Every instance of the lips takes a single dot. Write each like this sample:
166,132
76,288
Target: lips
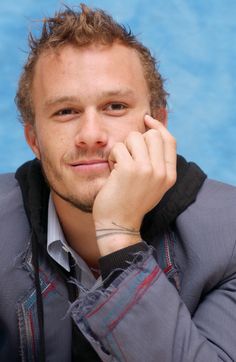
90,166
88,162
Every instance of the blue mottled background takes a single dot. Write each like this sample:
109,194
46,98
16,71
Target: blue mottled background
195,43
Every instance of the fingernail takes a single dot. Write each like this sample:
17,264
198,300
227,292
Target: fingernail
150,118
147,116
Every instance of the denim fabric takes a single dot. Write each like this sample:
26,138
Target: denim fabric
177,305
141,316
90,312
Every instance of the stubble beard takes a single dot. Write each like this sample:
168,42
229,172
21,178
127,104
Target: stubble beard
53,177
73,201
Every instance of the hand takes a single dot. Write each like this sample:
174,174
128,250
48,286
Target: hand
143,169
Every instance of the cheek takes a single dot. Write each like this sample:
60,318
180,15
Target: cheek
142,128
135,125
134,121
121,131
51,146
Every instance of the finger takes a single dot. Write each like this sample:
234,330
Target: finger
156,150
137,147
166,149
119,155
151,123
154,140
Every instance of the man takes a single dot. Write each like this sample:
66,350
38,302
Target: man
106,256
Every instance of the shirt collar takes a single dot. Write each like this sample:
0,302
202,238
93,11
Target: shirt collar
57,246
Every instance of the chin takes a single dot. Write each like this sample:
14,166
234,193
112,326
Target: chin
79,193
83,197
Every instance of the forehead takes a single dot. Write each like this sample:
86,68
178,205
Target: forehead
90,69
90,57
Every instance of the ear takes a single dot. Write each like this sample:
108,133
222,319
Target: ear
31,138
161,115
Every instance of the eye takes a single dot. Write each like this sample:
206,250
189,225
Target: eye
116,108
66,112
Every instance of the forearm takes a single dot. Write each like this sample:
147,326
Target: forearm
141,317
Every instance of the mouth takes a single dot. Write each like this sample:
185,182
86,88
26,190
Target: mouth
87,162
90,166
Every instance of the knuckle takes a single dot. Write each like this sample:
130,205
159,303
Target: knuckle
147,170
130,169
116,146
160,175
152,133
172,178
132,135
173,141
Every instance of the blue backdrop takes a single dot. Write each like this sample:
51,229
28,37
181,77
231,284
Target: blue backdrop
196,46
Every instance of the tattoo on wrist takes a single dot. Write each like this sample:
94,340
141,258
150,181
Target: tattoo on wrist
117,229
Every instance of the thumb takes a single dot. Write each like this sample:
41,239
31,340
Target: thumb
118,154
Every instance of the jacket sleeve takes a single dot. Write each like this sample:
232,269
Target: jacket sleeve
140,317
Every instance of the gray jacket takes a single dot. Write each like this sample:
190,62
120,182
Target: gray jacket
176,302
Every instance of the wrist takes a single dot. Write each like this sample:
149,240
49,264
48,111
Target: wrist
113,243
112,237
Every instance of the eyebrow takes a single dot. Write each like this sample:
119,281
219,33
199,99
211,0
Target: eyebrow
118,92
58,100
73,99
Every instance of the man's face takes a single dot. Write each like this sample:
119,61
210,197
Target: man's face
85,100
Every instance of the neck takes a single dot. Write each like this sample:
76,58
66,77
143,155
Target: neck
79,230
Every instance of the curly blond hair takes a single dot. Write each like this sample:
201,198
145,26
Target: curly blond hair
83,28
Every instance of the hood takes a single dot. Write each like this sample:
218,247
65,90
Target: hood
35,193
189,181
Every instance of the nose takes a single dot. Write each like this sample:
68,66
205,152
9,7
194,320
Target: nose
91,133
